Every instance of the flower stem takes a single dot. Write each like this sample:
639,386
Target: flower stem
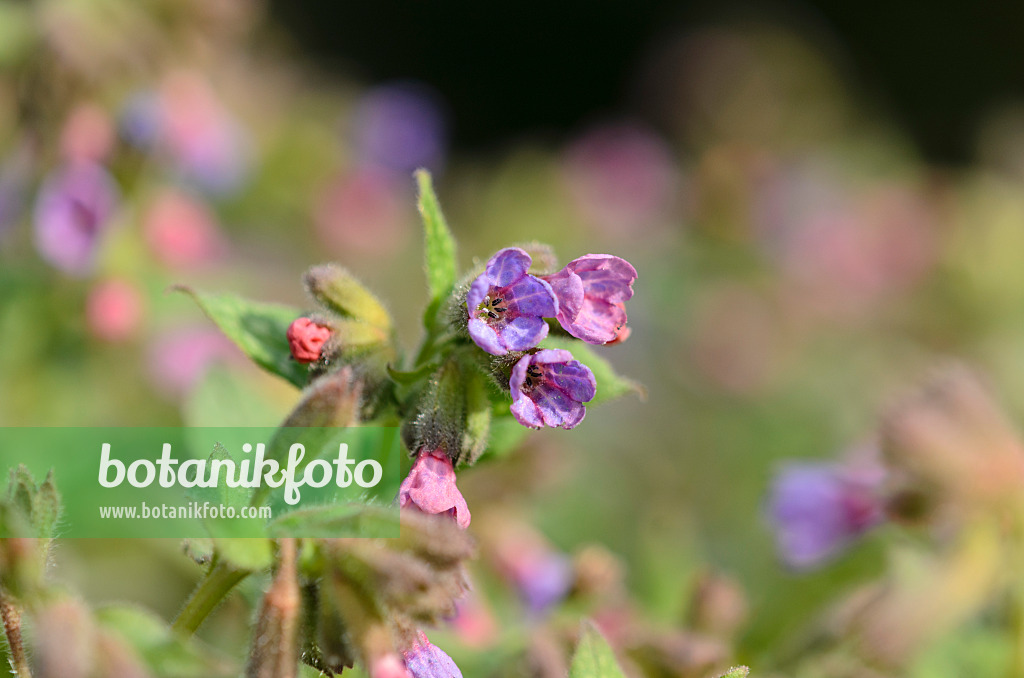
219,580
12,629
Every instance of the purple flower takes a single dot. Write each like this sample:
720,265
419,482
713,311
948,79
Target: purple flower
591,291
400,127
549,389
430,487
507,306
74,207
426,660
818,509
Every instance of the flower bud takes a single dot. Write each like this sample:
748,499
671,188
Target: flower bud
274,652
340,292
430,488
952,438
64,635
306,339
717,605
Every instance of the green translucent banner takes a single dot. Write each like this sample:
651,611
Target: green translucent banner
202,482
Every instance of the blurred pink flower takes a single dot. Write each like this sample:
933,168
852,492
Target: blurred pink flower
114,310
473,621
88,134
185,121
621,178
181,231
365,210
178,359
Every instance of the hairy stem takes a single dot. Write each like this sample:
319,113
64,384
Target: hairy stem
219,580
12,629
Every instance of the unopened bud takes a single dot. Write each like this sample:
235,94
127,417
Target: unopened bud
64,634
274,652
330,401
717,606
340,292
951,437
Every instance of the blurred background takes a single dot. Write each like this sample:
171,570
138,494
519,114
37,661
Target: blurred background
822,200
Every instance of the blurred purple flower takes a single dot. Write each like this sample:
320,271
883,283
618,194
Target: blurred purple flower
591,291
400,127
430,487
621,177
426,660
179,359
549,389
543,579
185,121
507,306
819,509
72,210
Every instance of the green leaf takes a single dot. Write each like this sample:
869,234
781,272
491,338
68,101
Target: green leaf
736,672
594,658
439,244
610,384
165,653
337,520
259,329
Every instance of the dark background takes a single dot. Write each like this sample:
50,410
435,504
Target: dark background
541,67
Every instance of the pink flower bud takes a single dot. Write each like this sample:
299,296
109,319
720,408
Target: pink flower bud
307,339
430,487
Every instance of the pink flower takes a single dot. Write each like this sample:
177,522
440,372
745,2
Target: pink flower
181,231
389,666
430,487
306,339
591,291
113,310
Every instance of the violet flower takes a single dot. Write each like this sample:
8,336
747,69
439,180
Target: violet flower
543,579
72,210
426,660
507,306
591,291
549,389
819,509
400,127
430,487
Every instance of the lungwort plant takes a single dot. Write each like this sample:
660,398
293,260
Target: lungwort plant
507,346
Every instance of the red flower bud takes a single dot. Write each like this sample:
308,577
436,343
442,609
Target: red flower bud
306,339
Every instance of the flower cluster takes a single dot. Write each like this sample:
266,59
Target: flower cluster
507,307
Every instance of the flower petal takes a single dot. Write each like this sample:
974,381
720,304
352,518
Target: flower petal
522,333
486,337
605,276
575,379
531,296
568,289
598,321
507,266
477,292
